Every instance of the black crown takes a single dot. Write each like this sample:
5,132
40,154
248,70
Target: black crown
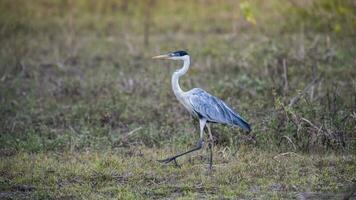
178,53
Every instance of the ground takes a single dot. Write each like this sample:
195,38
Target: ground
134,173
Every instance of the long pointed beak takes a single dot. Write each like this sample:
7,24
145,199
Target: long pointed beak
161,57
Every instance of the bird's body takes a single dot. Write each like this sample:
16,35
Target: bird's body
214,110
206,107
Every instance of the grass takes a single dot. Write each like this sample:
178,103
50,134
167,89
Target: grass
85,113
133,173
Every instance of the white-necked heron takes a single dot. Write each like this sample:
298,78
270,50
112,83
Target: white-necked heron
206,107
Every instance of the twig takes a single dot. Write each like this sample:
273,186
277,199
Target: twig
131,132
74,130
296,98
286,153
310,123
285,75
319,129
290,141
147,21
315,42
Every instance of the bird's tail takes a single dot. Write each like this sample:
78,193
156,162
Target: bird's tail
239,121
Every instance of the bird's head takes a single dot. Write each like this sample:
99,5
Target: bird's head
176,55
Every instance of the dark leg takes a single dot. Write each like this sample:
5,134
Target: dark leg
211,142
211,156
202,123
173,158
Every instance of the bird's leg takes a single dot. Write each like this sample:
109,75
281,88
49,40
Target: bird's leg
199,146
211,139
211,142
173,158
176,163
211,156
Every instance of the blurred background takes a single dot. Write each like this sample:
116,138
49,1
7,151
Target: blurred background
82,69
77,75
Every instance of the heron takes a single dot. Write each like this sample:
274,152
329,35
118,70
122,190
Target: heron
202,105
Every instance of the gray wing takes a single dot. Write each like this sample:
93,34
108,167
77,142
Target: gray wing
214,110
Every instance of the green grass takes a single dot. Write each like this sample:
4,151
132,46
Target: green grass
133,173
85,113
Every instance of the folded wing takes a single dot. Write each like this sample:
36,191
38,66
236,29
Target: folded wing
214,110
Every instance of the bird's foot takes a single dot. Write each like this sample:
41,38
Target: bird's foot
210,167
210,171
211,155
168,160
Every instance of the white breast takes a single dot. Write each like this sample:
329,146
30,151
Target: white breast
185,102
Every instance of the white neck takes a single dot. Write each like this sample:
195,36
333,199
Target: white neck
177,74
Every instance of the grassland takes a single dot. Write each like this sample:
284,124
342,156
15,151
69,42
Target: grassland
133,173
85,113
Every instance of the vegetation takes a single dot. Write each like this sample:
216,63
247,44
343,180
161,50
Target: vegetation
85,113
